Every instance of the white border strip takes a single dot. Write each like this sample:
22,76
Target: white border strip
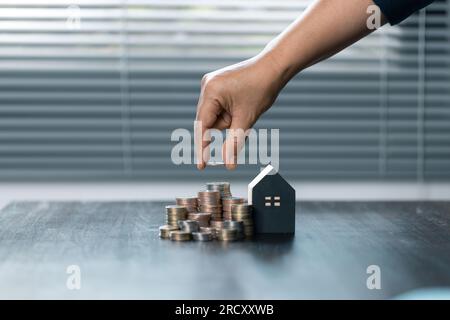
313,191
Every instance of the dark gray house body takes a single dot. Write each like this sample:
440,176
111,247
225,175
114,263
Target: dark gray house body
273,200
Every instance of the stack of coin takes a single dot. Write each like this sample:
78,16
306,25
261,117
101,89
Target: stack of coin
226,206
175,213
201,217
164,231
222,187
208,230
188,225
202,236
189,202
180,235
227,235
209,202
216,225
243,212
238,225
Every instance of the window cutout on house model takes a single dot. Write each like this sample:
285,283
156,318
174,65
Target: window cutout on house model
276,201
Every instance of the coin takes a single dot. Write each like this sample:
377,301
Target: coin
190,203
201,217
227,234
227,203
208,207
175,208
188,225
209,202
222,187
215,163
164,231
243,212
175,213
209,197
202,236
180,235
209,230
217,224
238,225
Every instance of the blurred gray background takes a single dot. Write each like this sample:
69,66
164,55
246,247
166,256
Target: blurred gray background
91,91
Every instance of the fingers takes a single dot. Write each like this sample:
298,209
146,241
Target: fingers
235,141
207,115
223,121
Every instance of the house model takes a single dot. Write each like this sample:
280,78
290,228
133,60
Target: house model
273,201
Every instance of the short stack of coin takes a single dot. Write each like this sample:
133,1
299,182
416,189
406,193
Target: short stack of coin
227,235
238,225
189,226
201,217
202,236
243,212
174,213
209,230
180,235
222,187
189,202
209,202
164,231
226,206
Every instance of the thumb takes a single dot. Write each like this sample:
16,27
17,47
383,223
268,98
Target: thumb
235,140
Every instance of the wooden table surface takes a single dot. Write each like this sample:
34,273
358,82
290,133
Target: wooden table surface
117,248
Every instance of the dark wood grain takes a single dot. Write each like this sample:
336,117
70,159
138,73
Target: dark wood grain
120,255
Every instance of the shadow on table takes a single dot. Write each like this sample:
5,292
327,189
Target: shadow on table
270,247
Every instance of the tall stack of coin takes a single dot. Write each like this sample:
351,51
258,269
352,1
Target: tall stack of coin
189,202
209,202
243,212
201,217
174,213
222,187
226,206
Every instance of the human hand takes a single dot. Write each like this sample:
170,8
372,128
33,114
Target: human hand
234,98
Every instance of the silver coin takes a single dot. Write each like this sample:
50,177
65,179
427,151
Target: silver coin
229,224
236,225
189,225
213,163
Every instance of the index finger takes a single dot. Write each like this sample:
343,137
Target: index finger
207,114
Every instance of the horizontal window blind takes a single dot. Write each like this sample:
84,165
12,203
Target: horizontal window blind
93,89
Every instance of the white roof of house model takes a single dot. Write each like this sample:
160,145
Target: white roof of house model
257,179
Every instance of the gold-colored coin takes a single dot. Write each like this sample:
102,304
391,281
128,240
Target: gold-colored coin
164,231
180,235
175,213
227,234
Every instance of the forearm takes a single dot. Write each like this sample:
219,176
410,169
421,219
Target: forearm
327,27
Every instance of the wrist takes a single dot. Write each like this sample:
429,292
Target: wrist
283,70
